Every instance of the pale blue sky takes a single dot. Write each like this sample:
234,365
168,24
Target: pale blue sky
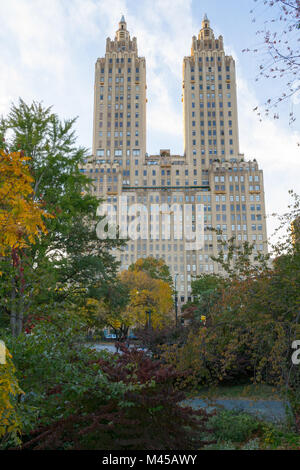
48,49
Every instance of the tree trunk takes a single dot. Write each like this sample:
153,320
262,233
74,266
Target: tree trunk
20,316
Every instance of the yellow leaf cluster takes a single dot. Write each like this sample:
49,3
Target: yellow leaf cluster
21,218
9,388
147,295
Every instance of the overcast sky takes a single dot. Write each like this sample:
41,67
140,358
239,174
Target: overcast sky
48,49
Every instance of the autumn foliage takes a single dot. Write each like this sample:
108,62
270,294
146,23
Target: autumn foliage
10,422
147,416
147,294
251,324
21,218
142,297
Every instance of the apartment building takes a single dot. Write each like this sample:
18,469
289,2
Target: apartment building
160,200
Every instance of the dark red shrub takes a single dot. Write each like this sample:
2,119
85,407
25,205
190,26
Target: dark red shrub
147,417
153,339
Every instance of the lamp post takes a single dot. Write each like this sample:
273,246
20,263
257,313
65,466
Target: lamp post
176,299
149,319
147,313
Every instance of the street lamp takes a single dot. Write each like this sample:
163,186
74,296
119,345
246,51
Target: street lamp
147,313
149,319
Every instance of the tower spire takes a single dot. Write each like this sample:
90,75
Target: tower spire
206,32
122,32
205,22
122,23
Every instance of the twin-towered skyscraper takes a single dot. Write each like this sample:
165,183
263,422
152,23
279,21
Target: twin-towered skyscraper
212,173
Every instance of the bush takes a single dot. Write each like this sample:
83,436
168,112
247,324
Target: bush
10,423
52,356
134,407
234,427
155,340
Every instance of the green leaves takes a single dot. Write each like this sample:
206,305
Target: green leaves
155,268
70,260
206,291
253,317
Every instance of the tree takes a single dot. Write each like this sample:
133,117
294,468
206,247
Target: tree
149,284
141,297
206,291
22,221
151,305
72,262
21,218
155,268
138,301
280,49
253,322
110,311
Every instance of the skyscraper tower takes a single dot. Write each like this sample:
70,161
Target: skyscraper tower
120,108
212,173
210,100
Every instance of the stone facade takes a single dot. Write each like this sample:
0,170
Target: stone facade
212,173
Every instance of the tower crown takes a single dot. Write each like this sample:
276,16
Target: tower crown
205,20
122,23
206,32
122,33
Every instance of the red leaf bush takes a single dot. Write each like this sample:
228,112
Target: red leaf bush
148,416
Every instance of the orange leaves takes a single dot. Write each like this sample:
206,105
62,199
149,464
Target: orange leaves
21,218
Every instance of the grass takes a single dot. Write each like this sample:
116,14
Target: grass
239,431
233,430
239,392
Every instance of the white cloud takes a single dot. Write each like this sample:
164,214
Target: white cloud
38,33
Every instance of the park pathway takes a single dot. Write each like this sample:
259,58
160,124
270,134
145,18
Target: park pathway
104,347
267,410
